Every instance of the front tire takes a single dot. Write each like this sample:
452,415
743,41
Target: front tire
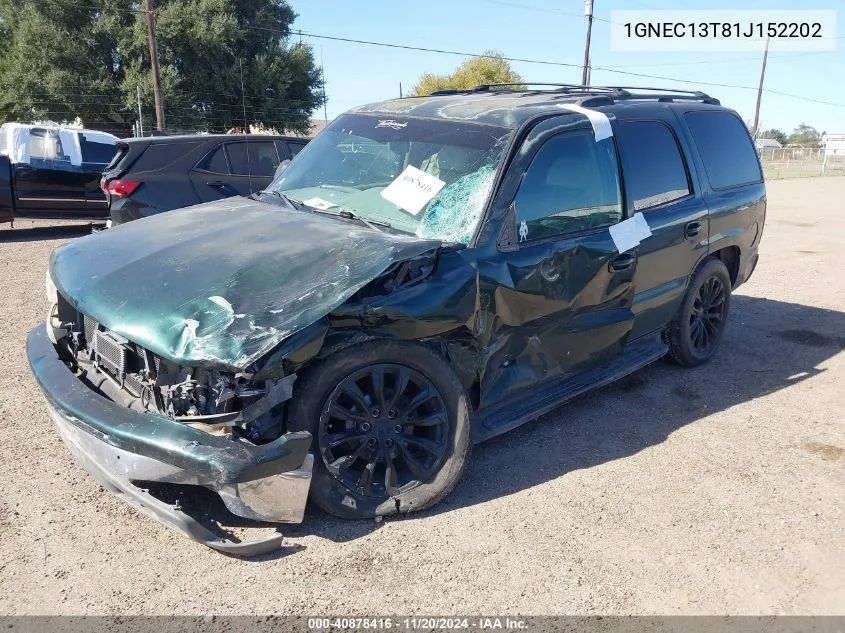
696,331
391,424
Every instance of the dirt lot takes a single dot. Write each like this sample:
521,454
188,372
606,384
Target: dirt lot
716,490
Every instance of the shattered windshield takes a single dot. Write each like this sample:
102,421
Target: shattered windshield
422,176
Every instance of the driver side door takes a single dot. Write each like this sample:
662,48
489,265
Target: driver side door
560,292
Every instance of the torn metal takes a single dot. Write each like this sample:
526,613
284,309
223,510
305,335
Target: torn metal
123,448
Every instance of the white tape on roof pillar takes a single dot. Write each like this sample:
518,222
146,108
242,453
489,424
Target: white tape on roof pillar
599,120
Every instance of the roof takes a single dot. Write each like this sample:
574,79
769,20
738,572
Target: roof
175,138
503,106
767,142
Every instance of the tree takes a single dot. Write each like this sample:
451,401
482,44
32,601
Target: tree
492,68
59,60
776,134
218,58
805,136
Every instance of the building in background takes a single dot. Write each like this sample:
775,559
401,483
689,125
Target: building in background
833,144
767,143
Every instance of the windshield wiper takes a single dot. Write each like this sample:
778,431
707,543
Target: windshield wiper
348,215
290,202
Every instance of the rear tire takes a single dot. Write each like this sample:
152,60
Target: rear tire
696,331
391,428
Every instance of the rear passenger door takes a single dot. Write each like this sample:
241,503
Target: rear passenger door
659,184
235,168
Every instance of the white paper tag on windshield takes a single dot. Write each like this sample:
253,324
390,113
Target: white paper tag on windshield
599,120
412,190
319,203
628,234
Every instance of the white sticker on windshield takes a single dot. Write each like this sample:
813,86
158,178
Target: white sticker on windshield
599,120
412,189
319,203
628,234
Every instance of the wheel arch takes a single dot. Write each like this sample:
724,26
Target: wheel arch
730,256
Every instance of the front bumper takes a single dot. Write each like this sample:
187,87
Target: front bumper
119,447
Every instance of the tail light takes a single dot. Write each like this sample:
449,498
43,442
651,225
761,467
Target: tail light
119,188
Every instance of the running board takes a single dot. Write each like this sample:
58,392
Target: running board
550,395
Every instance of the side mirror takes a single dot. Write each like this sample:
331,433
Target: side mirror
281,168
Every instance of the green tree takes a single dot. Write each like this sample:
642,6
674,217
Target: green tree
59,60
492,68
805,136
63,59
775,134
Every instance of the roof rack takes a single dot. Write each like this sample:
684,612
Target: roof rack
595,95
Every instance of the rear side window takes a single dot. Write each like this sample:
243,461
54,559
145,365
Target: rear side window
724,145
261,159
215,162
295,148
96,152
571,185
162,155
654,169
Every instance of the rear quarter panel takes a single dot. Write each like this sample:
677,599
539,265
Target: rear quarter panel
737,213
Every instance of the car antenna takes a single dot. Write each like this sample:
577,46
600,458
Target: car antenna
246,127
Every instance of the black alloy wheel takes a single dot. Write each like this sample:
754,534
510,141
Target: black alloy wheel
694,334
384,430
708,315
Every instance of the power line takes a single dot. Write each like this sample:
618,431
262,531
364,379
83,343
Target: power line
559,64
609,69
784,57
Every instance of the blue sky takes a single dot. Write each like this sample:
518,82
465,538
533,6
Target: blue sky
554,30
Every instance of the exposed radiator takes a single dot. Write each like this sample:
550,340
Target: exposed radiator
110,352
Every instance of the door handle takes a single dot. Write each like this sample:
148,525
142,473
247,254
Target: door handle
692,229
219,184
622,262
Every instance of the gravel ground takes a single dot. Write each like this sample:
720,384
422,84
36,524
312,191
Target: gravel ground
714,490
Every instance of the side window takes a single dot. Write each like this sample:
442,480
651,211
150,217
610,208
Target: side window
653,166
571,185
46,145
93,152
295,148
726,150
261,160
215,162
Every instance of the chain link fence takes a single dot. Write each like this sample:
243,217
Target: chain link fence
799,162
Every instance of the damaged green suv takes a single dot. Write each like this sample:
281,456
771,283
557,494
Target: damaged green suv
427,273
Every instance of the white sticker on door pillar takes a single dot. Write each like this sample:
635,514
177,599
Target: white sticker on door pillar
412,189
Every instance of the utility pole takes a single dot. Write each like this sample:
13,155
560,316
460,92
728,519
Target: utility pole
151,34
760,92
588,11
323,73
140,115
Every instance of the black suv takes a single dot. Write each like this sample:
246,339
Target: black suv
428,273
160,173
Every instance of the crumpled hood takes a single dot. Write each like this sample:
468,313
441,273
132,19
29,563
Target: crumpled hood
223,282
